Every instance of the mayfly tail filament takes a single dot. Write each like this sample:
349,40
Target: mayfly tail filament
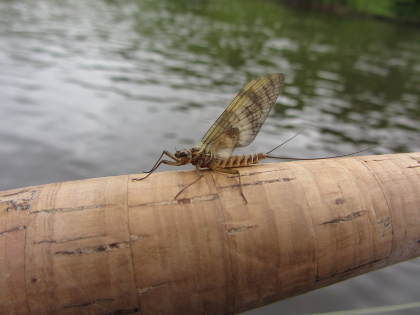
286,141
318,158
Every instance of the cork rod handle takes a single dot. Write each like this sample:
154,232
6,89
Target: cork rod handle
116,245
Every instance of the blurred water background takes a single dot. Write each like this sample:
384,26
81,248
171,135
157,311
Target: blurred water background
97,88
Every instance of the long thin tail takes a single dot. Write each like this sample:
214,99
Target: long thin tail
319,158
287,140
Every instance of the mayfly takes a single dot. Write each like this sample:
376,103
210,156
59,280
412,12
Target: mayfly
236,127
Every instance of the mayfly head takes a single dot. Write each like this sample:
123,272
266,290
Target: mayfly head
184,156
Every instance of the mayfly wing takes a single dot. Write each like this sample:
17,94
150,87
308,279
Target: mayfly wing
241,121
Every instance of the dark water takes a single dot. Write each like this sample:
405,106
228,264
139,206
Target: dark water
97,88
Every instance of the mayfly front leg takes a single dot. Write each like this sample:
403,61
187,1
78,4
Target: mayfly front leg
175,162
235,172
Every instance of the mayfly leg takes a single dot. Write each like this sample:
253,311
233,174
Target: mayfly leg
235,172
200,176
159,161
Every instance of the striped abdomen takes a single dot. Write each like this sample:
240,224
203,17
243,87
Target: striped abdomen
238,160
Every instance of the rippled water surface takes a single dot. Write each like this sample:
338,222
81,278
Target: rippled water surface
97,88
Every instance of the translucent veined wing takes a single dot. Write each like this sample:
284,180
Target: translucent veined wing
241,121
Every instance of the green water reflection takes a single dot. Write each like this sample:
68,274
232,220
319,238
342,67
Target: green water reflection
350,76
96,88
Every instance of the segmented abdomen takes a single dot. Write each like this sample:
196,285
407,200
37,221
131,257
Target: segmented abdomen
238,160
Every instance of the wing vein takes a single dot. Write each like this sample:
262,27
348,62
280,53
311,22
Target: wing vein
242,119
